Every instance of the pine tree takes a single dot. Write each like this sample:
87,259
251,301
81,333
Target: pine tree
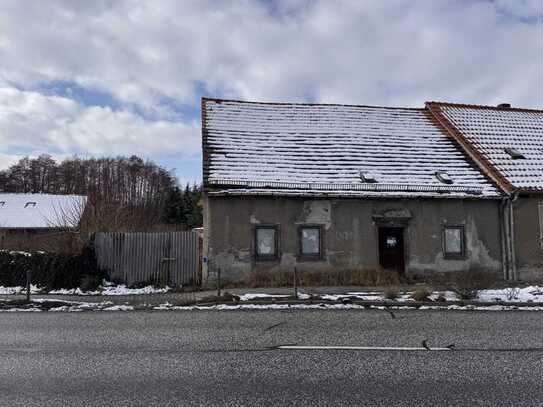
173,211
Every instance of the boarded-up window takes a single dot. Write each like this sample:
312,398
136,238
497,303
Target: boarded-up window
266,242
540,210
453,241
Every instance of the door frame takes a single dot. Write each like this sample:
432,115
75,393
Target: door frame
391,225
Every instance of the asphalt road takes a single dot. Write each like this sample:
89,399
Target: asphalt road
223,358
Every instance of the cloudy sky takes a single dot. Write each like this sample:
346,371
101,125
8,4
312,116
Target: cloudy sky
109,77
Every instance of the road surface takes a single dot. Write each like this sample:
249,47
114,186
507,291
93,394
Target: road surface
229,358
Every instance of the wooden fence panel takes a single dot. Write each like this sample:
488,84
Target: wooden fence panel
169,258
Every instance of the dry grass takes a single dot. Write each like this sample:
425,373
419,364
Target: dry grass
270,279
392,292
422,293
325,278
467,284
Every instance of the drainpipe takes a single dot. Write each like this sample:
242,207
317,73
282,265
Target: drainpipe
504,239
514,197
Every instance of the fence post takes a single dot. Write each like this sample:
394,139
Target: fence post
219,282
295,282
28,279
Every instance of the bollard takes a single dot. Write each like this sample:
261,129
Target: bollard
219,282
295,282
28,279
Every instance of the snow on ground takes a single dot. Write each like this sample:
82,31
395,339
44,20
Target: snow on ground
506,295
124,290
119,308
513,294
510,294
250,296
108,306
18,290
322,306
107,288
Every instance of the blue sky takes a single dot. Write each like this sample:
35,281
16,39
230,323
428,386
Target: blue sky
126,76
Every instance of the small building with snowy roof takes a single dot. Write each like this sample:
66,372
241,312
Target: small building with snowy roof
342,187
38,221
507,145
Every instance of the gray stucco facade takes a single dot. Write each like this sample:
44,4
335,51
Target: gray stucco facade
528,238
350,233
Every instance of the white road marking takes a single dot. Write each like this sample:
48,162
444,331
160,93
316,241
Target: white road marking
396,348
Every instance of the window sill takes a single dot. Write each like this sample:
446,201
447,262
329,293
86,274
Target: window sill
454,257
270,259
309,258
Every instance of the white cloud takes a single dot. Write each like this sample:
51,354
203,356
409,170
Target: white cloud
8,159
35,123
394,52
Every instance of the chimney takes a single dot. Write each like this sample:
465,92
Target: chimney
504,106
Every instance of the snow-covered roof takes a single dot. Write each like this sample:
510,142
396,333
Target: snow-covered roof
318,149
40,211
496,134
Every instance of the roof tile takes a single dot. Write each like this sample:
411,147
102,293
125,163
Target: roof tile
331,144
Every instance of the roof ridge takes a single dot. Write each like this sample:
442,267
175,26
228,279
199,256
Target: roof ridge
219,100
482,107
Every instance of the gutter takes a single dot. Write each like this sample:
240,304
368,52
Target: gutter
507,228
504,239
511,201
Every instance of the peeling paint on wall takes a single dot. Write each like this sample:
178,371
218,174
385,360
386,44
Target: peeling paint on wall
318,212
477,256
288,260
350,233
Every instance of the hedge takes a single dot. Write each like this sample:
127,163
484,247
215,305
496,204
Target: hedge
50,270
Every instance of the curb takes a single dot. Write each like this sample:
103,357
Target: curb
46,305
370,304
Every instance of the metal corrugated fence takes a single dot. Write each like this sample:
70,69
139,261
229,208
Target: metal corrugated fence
171,258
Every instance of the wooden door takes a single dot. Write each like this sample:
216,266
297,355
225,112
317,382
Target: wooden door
391,249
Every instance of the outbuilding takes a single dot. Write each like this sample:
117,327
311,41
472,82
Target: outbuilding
39,221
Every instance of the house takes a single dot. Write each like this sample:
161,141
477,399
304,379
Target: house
507,145
323,186
39,221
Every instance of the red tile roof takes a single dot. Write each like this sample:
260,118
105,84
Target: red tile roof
488,132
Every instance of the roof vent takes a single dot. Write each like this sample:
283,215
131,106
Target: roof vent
504,106
515,154
30,204
367,177
444,177
2,203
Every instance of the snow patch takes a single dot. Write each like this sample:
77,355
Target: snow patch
19,290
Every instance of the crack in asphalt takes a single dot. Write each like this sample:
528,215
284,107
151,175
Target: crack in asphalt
274,326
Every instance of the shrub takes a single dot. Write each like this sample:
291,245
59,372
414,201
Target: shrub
48,270
467,284
391,293
421,294
90,282
512,293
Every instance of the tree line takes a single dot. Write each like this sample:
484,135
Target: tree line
125,193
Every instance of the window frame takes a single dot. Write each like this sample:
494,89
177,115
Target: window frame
310,256
266,257
449,255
